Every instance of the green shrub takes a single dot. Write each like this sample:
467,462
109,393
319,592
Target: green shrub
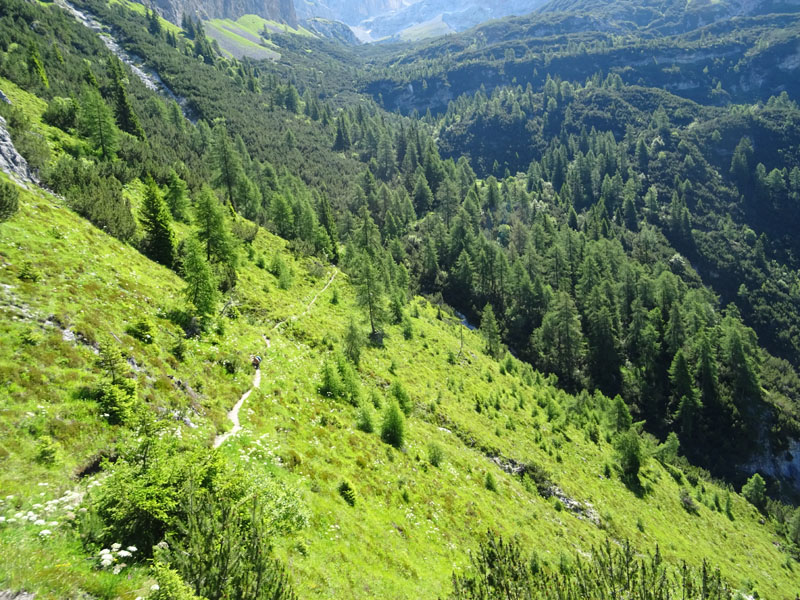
629,454
170,585
393,426
435,454
61,113
403,400
46,450
347,492
688,502
490,482
755,491
28,272
142,330
364,420
9,200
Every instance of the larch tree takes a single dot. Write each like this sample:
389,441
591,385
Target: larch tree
201,285
227,163
97,124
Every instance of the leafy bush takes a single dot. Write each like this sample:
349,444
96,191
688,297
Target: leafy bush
490,482
9,200
435,454
393,426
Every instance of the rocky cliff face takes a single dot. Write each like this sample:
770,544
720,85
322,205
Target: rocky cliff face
276,10
351,12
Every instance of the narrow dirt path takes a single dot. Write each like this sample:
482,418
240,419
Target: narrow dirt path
310,304
233,414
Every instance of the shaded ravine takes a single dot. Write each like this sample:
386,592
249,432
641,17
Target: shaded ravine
151,79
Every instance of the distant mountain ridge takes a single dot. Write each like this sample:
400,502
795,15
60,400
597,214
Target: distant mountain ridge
375,20
276,10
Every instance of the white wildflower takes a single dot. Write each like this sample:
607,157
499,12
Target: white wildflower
53,523
155,587
39,522
105,551
2,519
44,533
116,546
132,548
123,554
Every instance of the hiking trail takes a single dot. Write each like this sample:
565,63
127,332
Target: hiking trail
233,414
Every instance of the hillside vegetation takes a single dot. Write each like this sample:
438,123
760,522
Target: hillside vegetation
389,448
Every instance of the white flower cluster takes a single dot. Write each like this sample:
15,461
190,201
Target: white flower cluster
43,514
111,559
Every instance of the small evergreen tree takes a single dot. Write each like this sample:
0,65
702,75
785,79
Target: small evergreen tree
393,426
176,197
201,286
96,123
159,238
629,455
9,200
353,342
490,331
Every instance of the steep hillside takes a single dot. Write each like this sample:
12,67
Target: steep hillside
232,364
415,512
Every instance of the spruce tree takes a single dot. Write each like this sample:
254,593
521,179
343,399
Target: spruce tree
126,117
9,200
159,239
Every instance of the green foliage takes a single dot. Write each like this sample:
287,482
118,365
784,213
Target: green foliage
159,239
224,549
490,331
500,569
400,395
96,123
142,329
755,491
489,483
364,420
201,285
170,585
347,492
435,454
61,113
629,454
117,400
353,342
9,200
393,426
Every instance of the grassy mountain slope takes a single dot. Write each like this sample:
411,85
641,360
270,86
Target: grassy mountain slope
67,286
